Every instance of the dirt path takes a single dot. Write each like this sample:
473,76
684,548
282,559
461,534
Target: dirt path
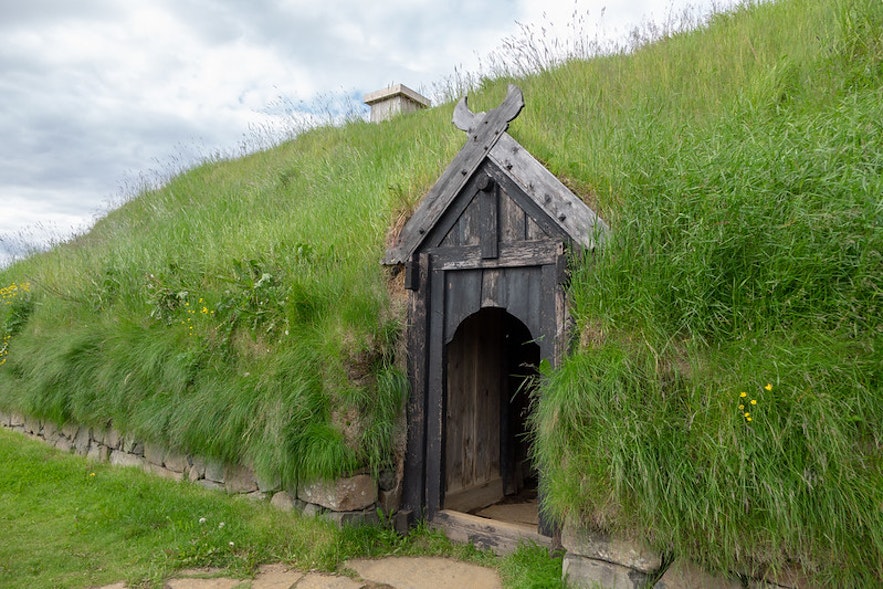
383,573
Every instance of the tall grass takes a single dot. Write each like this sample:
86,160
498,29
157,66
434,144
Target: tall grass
745,252
240,311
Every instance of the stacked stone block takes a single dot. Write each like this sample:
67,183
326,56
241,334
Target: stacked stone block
351,500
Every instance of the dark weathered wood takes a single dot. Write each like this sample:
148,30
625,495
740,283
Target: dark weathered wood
581,224
472,433
488,223
435,395
533,231
510,255
549,228
481,140
512,219
501,537
462,298
476,497
463,118
487,271
412,275
414,479
490,280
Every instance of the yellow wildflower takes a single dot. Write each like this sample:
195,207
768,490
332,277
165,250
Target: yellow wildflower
754,401
768,386
743,394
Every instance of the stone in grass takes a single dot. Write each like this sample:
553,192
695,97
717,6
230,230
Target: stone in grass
153,454
352,518
214,471
683,574
211,485
70,431
584,572
163,472
33,426
595,545
63,444
82,441
98,453
112,439
50,432
120,458
176,462
269,484
347,494
239,479
312,510
283,500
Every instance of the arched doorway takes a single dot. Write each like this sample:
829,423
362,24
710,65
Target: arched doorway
490,361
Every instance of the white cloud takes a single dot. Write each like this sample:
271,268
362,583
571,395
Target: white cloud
95,90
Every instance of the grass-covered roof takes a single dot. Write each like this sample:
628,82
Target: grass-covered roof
723,398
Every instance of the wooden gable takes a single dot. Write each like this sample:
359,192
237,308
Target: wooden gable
485,254
531,195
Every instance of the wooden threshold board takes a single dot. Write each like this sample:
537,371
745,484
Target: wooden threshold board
501,537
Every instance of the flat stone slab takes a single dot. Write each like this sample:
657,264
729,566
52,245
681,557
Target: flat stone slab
349,494
276,576
517,513
220,583
391,573
324,581
598,546
425,573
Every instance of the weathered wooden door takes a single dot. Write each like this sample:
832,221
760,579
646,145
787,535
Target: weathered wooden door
476,315
489,362
490,234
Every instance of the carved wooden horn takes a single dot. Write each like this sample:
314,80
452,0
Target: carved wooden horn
466,120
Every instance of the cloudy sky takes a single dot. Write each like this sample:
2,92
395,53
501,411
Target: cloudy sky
98,94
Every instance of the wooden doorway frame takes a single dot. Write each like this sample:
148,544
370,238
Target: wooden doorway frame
434,318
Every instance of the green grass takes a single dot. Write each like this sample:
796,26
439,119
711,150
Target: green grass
72,523
240,312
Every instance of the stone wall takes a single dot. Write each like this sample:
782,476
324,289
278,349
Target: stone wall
351,500
597,560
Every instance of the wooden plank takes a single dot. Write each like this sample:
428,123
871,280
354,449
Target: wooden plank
454,426
471,222
533,232
547,311
580,222
512,219
475,366
412,275
435,396
488,223
510,255
533,211
502,538
448,232
488,364
462,298
481,141
475,497
489,287
413,486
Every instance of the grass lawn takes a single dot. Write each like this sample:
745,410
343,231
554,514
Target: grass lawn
69,522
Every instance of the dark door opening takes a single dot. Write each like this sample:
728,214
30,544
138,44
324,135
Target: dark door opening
490,362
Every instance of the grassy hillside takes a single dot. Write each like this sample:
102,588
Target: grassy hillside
240,312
